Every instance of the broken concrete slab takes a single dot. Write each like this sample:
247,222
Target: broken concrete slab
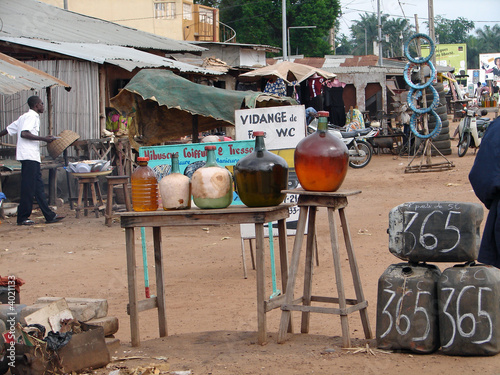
83,309
109,323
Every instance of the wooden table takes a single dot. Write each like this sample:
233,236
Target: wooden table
51,166
194,217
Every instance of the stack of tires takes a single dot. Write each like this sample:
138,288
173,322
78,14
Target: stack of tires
442,141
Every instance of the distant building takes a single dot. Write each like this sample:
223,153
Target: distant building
176,19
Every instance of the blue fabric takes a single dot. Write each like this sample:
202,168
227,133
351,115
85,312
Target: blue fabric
485,180
310,111
2,196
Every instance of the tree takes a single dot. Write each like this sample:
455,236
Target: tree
259,22
364,32
452,31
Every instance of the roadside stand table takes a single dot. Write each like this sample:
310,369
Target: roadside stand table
309,202
195,217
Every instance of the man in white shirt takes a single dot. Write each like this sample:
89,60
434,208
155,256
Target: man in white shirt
28,153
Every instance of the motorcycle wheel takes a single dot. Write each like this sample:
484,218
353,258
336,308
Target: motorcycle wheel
463,144
365,148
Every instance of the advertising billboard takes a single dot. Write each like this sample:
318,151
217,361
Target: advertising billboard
489,66
454,55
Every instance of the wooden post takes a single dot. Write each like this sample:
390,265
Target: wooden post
102,99
49,109
195,129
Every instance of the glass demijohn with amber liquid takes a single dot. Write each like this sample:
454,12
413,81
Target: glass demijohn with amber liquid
321,159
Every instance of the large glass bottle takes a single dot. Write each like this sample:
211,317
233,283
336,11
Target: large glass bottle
175,188
212,185
321,159
261,176
144,187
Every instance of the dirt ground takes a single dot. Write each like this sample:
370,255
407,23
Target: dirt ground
210,306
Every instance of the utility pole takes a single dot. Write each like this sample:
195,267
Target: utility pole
380,59
283,20
432,33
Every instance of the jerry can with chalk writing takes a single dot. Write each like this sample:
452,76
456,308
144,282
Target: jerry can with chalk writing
469,310
407,314
435,231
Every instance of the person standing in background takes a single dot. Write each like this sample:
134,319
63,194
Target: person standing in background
28,153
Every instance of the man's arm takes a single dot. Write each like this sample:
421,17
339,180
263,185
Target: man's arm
3,133
28,135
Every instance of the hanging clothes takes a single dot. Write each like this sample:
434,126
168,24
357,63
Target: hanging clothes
334,103
276,87
315,91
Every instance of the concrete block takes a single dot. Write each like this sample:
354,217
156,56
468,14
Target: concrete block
83,309
109,323
113,345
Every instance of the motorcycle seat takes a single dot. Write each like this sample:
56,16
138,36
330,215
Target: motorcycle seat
355,133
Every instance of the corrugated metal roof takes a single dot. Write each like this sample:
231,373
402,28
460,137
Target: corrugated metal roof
17,76
124,57
257,47
33,19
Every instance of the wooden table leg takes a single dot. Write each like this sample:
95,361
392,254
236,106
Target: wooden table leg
308,271
344,321
355,274
260,274
79,203
94,198
282,236
108,214
132,287
160,291
294,265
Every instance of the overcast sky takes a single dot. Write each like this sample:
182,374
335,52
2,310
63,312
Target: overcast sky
482,12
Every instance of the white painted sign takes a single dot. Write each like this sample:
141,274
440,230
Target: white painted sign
284,126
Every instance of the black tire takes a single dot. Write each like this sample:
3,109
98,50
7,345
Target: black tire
441,137
442,116
440,109
438,86
463,144
442,144
362,161
444,152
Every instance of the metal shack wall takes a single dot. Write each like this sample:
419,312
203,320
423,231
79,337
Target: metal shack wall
77,110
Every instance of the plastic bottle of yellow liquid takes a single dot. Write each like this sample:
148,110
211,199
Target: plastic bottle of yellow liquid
144,187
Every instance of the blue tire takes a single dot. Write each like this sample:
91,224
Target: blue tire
407,75
419,60
419,93
434,133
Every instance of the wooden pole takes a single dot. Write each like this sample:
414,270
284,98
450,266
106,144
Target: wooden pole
195,129
49,109
102,99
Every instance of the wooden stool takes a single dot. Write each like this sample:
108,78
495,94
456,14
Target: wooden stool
86,185
112,181
308,202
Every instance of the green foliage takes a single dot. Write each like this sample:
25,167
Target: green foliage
452,31
259,22
364,32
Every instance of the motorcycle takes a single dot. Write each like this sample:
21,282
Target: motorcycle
357,142
471,130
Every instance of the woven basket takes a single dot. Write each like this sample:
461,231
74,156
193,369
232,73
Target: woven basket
57,146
